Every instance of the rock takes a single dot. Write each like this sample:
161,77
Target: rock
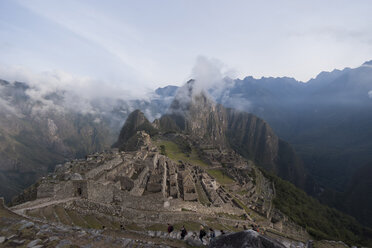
2,239
27,224
38,246
126,242
151,233
18,242
173,235
63,243
33,243
194,242
166,204
189,235
247,238
11,236
82,233
53,238
45,226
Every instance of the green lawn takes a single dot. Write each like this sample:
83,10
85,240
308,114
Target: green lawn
189,225
92,221
203,198
62,215
174,152
157,227
220,176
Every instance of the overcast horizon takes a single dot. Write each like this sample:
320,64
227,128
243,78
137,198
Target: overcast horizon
137,45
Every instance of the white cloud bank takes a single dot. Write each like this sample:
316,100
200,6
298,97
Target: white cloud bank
79,94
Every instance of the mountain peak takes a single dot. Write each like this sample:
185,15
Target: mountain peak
135,122
367,63
187,96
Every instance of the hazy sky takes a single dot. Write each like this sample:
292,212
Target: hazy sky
145,44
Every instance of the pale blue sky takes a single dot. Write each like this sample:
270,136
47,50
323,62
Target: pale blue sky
139,44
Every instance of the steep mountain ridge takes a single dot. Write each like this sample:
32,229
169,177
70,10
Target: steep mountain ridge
214,127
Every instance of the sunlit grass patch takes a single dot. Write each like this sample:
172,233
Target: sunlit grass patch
173,151
220,176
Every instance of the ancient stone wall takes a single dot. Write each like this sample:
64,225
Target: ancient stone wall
45,189
64,189
106,166
80,188
99,192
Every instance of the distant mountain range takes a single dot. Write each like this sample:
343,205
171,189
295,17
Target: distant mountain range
327,119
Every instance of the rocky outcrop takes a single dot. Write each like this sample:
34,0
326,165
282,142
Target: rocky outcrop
244,239
136,121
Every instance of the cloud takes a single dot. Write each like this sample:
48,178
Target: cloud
210,74
213,78
370,94
62,91
6,108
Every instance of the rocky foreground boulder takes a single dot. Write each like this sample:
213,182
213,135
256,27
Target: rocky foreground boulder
244,239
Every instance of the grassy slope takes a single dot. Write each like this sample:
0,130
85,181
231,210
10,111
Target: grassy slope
220,176
174,152
320,221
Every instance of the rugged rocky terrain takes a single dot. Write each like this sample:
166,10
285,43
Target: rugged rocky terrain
168,171
142,190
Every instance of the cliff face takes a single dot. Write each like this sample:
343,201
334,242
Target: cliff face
253,138
136,121
212,125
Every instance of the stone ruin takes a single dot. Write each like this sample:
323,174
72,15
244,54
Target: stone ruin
111,177
145,187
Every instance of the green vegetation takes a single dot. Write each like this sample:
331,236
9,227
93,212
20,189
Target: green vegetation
62,215
157,227
189,225
231,216
6,213
249,212
203,198
76,218
320,221
92,221
133,227
70,217
162,150
48,212
215,225
220,176
178,152
34,213
107,223
242,192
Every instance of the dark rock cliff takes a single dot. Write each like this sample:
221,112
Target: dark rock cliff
210,124
136,121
